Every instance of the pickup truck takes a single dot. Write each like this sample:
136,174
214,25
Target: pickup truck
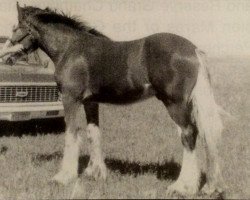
28,90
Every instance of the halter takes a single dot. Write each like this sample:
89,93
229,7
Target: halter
13,42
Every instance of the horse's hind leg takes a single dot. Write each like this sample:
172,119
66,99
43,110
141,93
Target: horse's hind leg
214,179
96,166
188,181
69,169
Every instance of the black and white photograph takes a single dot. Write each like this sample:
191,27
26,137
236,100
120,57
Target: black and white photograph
124,99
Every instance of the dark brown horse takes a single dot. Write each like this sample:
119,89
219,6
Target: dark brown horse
90,69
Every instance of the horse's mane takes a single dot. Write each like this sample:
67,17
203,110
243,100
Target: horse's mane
49,15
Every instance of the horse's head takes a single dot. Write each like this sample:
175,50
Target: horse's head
24,34
47,29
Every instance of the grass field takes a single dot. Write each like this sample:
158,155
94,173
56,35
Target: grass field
142,148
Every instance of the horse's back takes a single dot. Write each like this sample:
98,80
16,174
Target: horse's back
171,43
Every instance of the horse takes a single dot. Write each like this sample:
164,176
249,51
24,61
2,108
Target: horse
91,68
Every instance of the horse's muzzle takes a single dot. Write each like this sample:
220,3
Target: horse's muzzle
11,60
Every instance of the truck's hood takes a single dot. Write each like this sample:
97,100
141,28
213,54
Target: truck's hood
25,73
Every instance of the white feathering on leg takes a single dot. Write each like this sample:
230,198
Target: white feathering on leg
71,152
96,166
69,168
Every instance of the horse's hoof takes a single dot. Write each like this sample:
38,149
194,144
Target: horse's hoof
63,177
211,189
97,171
182,189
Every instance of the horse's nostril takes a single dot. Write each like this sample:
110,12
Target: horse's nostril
10,61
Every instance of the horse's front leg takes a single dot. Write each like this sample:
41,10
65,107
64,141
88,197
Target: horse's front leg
96,166
69,168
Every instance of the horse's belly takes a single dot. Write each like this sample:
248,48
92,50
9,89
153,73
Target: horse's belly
127,96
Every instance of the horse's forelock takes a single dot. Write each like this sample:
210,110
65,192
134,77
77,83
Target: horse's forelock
30,10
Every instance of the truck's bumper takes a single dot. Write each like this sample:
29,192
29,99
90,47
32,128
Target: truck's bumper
28,111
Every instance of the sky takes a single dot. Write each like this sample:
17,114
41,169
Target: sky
218,27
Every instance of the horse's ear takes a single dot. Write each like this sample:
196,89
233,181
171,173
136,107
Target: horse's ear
19,12
47,9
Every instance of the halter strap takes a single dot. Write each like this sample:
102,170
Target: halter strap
20,39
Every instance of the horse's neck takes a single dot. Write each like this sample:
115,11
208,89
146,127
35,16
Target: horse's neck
54,45
57,46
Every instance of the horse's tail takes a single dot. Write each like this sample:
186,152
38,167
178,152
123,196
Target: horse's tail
207,119
205,112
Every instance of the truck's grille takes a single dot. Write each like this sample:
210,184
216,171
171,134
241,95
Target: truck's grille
20,94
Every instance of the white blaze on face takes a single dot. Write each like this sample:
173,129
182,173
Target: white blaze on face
6,44
12,49
15,48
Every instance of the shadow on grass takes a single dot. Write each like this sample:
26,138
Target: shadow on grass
167,170
33,127
39,159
